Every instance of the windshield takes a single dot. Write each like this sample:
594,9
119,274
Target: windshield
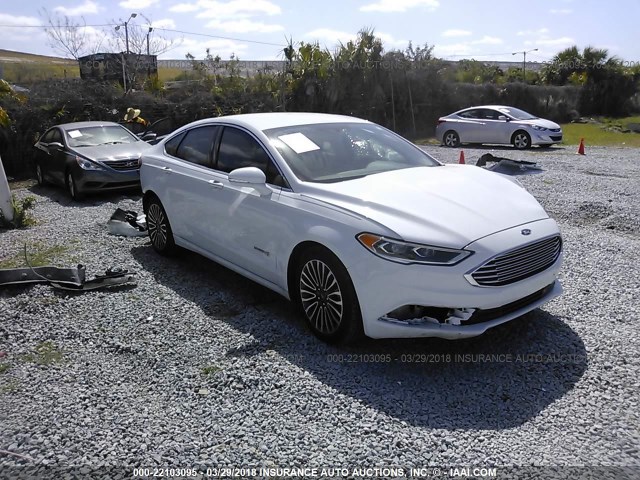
343,151
100,135
517,113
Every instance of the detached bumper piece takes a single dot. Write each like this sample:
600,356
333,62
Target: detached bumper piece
507,166
71,279
127,223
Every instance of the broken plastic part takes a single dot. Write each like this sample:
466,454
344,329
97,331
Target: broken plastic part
127,223
455,316
65,278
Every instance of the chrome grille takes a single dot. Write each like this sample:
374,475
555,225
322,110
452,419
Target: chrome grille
122,165
519,264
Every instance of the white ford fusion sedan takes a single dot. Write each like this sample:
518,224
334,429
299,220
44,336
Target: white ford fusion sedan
363,230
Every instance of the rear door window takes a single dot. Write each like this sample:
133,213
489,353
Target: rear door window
197,145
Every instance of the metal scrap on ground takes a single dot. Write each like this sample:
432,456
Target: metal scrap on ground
64,278
507,166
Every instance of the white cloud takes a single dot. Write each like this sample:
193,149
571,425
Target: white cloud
561,11
487,40
7,19
19,36
236,8
87,7
137,4
398,5
389,41
164,23
198,48
244,25
540,31
452,50
568,41
184,8
456,33
330,36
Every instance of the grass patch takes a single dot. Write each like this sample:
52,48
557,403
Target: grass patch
210,370
46,353
4,368
603,133
39,256
11,387
21,216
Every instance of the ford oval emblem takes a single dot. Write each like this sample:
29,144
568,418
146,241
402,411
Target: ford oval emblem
526,231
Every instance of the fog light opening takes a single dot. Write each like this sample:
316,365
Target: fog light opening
423,315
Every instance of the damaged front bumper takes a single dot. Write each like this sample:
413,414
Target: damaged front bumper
457,323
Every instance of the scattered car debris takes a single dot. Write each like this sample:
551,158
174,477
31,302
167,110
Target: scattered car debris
507,166
127,223
65,278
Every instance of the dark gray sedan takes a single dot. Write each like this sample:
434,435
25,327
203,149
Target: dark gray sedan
87,157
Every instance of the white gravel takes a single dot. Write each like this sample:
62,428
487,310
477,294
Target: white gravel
198,367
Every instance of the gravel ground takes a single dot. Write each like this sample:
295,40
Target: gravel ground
198,367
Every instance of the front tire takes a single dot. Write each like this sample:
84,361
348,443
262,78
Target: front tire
327,298
72,188
451,139
521,140
40,175
159,228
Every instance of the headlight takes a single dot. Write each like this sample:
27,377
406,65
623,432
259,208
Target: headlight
405,252
539,128
87,165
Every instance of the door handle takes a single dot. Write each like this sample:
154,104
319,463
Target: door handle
166,169
215,183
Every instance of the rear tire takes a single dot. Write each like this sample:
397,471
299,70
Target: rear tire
325,294
451,139
72,188
159,228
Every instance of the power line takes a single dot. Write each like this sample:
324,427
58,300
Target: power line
219,36
184,32
61,26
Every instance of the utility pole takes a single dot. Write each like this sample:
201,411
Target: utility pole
524,62
126,30
150,30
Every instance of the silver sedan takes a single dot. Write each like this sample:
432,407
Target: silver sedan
497,124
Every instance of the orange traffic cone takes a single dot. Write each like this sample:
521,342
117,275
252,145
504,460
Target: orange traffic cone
461,161
581,147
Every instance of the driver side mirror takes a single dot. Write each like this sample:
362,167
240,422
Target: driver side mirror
251,177
504,118
57,146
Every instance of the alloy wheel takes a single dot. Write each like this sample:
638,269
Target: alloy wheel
157,226
321,296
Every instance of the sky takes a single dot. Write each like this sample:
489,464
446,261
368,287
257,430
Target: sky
259,29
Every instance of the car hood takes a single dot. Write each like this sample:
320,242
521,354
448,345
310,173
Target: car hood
113,152
449,205
540,122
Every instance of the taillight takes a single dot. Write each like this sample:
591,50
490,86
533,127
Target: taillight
440,120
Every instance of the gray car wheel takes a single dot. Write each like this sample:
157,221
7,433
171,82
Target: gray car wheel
72,187
521,140
327,298
451,139
159,228
40,175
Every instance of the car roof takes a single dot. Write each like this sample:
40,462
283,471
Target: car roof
496,107
266,121
73,125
